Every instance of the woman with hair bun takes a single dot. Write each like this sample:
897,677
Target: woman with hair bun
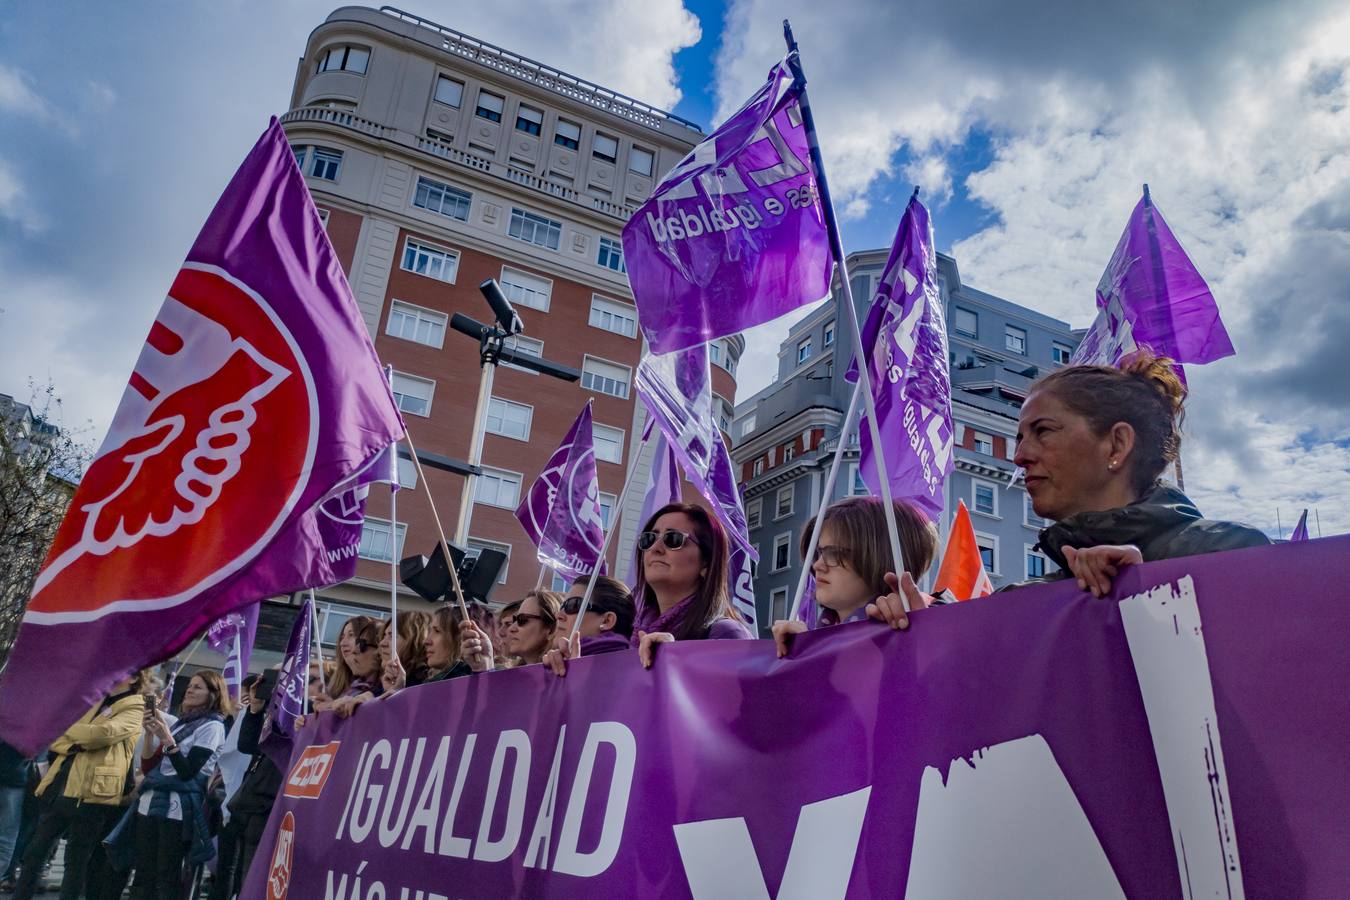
1094,441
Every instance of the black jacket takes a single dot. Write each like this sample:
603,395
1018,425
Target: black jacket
1163,524
262,779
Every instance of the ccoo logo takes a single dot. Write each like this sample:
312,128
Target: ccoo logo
207,454
311,771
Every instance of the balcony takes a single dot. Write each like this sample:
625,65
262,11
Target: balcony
796,395
1013,384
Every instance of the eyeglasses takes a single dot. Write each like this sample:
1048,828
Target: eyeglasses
831,556
520,620
673,540
363,646
572,605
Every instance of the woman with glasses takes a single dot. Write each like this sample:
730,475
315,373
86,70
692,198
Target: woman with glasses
364,667
529,633
682,573
853,567
606,627
346,653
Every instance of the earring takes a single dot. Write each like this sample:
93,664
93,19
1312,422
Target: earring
1111,465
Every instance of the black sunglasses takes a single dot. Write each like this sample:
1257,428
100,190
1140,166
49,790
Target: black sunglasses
673,540
520,620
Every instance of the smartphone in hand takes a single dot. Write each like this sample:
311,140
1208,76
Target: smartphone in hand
262,691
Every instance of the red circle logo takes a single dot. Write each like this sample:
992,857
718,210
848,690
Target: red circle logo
279,873
204,459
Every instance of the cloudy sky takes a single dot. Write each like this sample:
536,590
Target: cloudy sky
1030,127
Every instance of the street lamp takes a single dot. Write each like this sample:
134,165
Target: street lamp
491,351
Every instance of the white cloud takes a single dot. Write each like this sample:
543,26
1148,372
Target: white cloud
19,98
1239,122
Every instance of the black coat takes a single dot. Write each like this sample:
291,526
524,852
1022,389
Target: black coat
262,779
1163,524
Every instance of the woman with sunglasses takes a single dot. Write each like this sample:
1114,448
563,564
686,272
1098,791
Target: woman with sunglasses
682,571
853,567
364,667
529,633
346,652
606,627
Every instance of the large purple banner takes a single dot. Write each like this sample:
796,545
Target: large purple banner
1183,738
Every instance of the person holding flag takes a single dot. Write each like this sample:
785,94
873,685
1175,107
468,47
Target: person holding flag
1094,441
852,565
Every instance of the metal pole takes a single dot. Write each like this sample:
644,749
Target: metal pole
837,245
850,419
489,369
440,531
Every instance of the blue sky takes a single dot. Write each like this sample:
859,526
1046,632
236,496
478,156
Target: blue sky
1029,126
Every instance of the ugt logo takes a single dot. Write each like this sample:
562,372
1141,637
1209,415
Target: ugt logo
206,456
279,873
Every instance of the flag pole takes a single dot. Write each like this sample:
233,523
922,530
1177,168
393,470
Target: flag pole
318,645
543,570
440,532
837,245
609,534
850,419
393,528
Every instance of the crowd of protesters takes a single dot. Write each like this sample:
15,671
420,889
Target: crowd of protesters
133,789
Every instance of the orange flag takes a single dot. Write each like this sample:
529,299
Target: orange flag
962,571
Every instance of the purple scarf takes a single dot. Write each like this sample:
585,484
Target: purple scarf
651,619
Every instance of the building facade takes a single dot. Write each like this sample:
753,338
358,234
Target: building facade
439,161
785,435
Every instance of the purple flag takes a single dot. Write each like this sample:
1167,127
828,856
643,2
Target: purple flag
287,702
1301,529
663,487
341,516
257,393
233,635
905,342
561,512
807,608
734,235
1151,295
677,390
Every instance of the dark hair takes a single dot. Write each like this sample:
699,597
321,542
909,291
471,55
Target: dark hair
549,604
220,701
711,602
412,636
1144,393
611,595
250,681
860,523
446,618
342,673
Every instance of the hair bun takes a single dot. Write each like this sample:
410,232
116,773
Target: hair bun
1162,373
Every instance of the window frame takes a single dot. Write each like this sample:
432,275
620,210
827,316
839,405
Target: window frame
779,593
431,397
633,152
496,472
595,150
627,385
1055,351
485,544
327,52
612,248
1013,334
804,349
507,404
505,282
487,113
778,512
783,540
436,91
757,467
452,257
1028,512
521,217
625,313
514,341
538,128
976,483
827,335
417,311
567,143
1028,552
991,571
445,190
956,322
754,513
326,156
601,497
976,439
621,442
399,535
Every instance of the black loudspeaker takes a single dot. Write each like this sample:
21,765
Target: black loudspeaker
482,574
430,578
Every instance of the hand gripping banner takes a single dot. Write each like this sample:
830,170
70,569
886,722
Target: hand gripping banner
1184,737
257,393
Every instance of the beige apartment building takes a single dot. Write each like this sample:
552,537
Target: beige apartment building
437,161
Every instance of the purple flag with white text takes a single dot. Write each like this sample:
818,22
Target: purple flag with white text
1301,529
256,394
233,635
1151,295
663,487
561,512
287,702
734,235
905,342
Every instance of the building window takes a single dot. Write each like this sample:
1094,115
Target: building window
379,541
609,315
828,340
754,510
449,91
424,259
324,163
984,497
442,198
607,502
803,350
605,148
782,552
611,255
489,106
789,451
533,228
1029,517
323,217
1036,562
966,322
758,468
724,412
608,443
413,394
641,162
1015,339
344,58
526,346
983,443
783,501
988,552
529,120
407,473
747,424
474,546
778,603
498,488
605,377
567,134
1060,353
509,419
524,289
332,617
413,323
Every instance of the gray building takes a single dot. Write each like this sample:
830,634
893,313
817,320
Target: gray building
785,435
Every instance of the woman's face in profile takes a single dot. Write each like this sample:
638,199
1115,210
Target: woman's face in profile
1065,463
